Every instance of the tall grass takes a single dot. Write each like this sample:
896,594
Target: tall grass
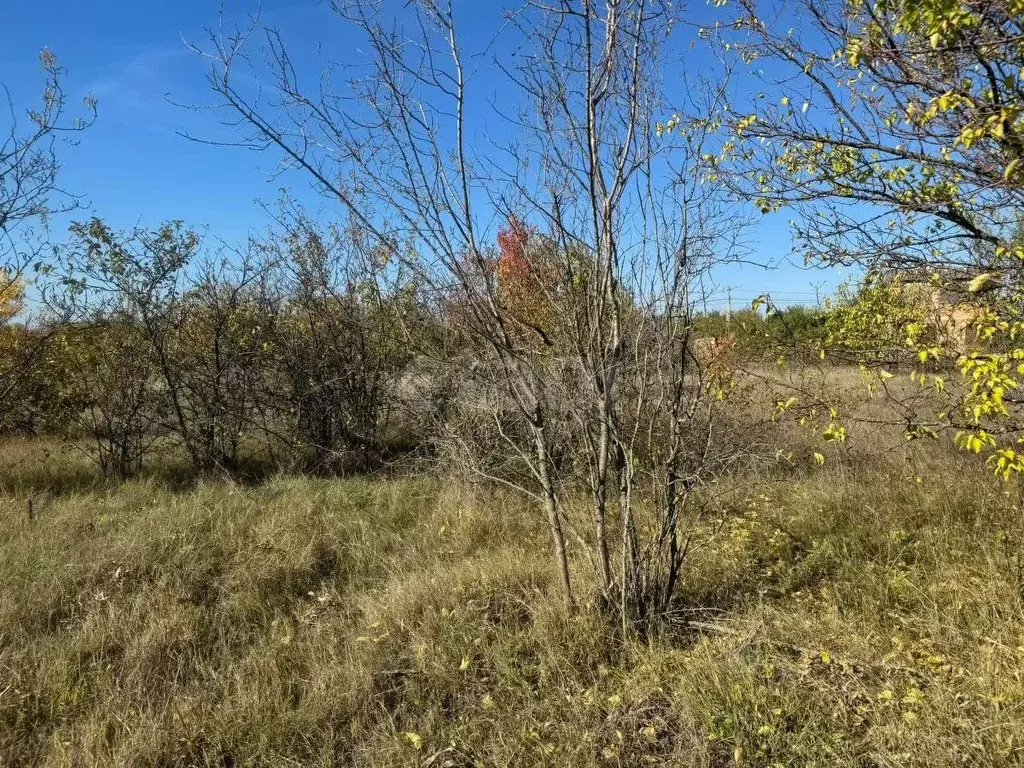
861,614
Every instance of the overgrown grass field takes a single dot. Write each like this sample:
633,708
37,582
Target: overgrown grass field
866,613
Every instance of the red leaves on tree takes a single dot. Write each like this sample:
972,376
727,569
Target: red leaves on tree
513,263
520,290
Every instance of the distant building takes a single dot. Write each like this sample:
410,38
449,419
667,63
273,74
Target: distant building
950,310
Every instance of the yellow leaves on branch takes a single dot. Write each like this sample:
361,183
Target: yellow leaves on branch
993,126
745,124
978,283
667,127
12,296
1004,461
835,433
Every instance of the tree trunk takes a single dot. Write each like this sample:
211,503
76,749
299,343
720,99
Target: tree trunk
554,519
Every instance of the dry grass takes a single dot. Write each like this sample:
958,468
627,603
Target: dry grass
848,615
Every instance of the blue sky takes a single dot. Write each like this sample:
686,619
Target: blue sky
133,167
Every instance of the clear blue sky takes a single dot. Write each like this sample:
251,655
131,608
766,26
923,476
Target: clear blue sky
133,167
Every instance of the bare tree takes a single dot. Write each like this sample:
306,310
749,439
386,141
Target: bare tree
414,192
578,323
625,183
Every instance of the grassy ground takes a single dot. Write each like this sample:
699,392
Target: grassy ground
867,616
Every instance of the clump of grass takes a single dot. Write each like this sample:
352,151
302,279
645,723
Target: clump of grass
849,615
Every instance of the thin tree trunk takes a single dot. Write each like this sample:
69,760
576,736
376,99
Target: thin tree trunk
600,512
554,519
631,591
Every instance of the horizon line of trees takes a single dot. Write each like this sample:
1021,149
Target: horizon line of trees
305,350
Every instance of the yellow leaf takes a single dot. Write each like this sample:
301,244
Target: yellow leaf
413,739
979,282
819,458
1011,168
465,664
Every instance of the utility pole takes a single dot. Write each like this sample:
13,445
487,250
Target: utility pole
728,305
